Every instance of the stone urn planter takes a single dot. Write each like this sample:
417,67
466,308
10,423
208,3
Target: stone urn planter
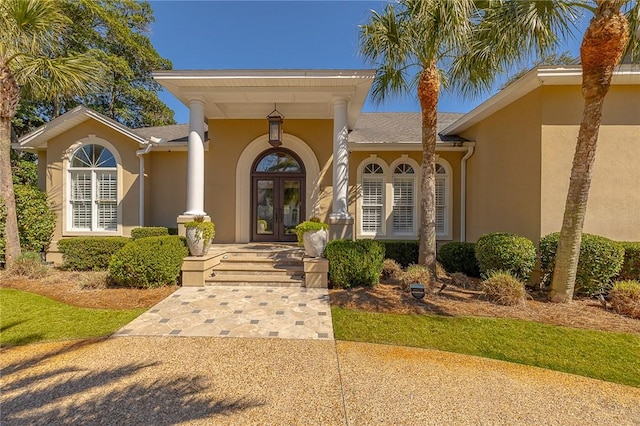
199,236
312,234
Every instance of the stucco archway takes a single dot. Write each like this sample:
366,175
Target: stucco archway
243,180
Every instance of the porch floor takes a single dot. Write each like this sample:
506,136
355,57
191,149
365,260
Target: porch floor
271,312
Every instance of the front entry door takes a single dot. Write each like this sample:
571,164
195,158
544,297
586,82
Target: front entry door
277,196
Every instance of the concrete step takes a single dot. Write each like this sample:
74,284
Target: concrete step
255,280
258,269
253,260
293,253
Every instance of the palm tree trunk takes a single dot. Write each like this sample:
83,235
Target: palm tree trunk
12,240
428,92
602,47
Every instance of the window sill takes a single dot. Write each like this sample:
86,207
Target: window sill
92,233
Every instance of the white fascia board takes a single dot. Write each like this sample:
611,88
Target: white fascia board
409,146
570,75
266,74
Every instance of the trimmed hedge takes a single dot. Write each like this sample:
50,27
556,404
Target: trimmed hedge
149,231
149,262
631,265
89,253
459,257
355,263
501,251
403,252
599,262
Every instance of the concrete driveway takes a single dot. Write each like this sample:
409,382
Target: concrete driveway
210,380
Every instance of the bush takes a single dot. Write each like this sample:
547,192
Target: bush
355,263
416,274
28,265
503,288
403,252
461,280
502,251
459,257
149,231
391,270
149,262
625,298
89,253
36,220
631,265
599,262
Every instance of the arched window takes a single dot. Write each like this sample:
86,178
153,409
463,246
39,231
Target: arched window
373,207
93,189
404,199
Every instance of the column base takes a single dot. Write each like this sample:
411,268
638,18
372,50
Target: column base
340,228
185,218
316,272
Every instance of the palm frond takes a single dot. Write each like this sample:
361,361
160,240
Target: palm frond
632,12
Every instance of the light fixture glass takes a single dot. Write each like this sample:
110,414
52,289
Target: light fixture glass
275,127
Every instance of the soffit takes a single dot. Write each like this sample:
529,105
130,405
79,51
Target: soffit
250,94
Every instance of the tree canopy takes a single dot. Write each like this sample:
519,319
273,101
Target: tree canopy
115,33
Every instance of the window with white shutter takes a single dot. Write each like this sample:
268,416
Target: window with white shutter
93,192
441,200
404,184
372,198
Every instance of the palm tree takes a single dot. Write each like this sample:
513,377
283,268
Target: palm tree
29,64
612,34
422,45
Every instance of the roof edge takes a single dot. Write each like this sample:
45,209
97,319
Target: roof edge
537,77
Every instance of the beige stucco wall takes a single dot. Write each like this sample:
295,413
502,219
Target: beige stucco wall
614,197
55,181
503,175
356,158
228,139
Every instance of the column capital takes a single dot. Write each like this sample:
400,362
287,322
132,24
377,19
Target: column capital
340,101
196,101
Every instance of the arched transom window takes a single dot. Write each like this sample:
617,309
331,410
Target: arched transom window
93,189
404,199
372,198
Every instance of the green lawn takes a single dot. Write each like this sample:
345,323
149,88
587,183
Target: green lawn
614,357
28,318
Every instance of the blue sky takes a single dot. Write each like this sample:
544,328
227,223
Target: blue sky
271,35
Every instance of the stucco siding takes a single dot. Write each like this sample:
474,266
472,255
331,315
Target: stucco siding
503,175
55,179
614,197
168,187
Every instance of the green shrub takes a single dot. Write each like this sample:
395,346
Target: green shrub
599,262
625,298
149,262
416,274
502,251
149,231
36,220
89,253
355,263
28,265
403,252
631,265
504,288
459,257
391,270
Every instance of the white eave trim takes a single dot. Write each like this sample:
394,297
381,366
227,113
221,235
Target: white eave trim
36,139
408,146
570,75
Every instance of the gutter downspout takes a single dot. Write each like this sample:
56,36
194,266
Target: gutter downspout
140,153
463,190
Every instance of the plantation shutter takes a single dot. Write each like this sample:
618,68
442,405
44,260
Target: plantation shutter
403,205
106,200
81,199
372,204
441,206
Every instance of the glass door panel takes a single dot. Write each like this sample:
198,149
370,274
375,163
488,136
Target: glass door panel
291,206
264,209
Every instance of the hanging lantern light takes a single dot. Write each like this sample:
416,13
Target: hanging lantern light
275,127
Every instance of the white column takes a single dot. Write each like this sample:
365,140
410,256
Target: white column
340,161
195,159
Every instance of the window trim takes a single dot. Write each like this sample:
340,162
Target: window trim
448,193
385,202
67,217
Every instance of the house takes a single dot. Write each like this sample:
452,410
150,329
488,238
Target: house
502,167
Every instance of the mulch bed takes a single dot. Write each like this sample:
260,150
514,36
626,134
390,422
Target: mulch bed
66,287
